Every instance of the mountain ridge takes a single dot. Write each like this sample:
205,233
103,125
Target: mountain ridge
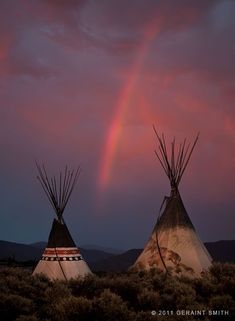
98,260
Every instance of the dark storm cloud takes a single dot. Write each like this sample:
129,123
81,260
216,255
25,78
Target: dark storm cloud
120,26
34,30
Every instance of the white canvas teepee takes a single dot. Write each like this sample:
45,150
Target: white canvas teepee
174,245
61,258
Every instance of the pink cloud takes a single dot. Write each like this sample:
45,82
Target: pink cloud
64,65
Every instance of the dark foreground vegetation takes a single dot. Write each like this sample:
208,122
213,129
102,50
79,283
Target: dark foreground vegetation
116,297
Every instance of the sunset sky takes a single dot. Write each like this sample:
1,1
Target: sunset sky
82,82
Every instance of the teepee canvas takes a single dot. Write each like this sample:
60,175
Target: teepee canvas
61,258
174,245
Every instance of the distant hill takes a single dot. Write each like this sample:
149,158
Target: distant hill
93,256
25,252
222,251
98,260
20,252
101,248
39,245
119,262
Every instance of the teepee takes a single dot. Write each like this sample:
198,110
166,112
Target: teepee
61,258
174,245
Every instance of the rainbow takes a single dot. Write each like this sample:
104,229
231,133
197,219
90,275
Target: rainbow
115,130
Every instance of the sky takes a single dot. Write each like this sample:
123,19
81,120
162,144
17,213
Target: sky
82,82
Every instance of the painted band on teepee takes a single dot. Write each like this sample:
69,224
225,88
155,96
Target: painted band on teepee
60,251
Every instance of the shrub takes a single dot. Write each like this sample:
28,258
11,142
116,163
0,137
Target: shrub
148,300
12,306
111,307
49,306
113,296
77,308
146,316
87,286
222,302
27,318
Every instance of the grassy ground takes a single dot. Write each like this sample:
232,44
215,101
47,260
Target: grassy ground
121,296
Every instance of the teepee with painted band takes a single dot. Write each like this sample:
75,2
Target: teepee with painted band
174,245
61,258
